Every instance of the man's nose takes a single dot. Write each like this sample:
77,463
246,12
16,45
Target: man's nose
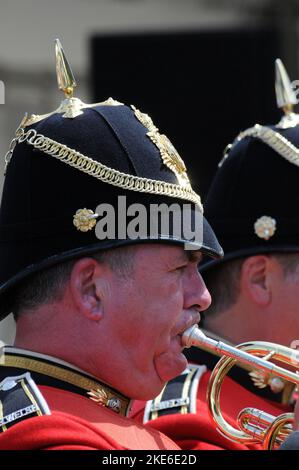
205,298
197,293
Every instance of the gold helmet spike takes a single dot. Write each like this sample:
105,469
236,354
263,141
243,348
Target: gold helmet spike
70,107
285,96
65,78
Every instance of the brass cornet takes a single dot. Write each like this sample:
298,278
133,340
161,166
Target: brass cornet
255,426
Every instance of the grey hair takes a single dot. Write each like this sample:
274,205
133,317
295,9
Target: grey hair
48,286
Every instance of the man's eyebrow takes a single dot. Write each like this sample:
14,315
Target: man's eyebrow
193,256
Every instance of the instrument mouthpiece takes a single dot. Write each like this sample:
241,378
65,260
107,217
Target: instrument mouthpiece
193,336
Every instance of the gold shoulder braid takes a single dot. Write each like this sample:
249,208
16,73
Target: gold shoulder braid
20,399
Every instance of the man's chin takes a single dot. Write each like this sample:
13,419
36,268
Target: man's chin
170,365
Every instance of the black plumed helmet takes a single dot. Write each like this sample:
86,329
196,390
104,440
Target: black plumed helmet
65,164
253,200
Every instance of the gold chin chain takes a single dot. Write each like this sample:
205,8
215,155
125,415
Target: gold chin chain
273,139
102,172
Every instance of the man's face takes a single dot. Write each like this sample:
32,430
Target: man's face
265,307
145,315
282,324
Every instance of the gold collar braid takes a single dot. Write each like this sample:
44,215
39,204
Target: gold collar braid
97,391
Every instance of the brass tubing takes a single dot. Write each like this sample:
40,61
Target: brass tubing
247,353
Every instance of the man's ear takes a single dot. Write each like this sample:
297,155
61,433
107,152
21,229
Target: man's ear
83,282
256,277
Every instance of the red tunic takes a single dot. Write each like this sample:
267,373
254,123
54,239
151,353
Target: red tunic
197,431
78,423
32,385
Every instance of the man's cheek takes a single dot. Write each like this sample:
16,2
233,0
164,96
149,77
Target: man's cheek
170,363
